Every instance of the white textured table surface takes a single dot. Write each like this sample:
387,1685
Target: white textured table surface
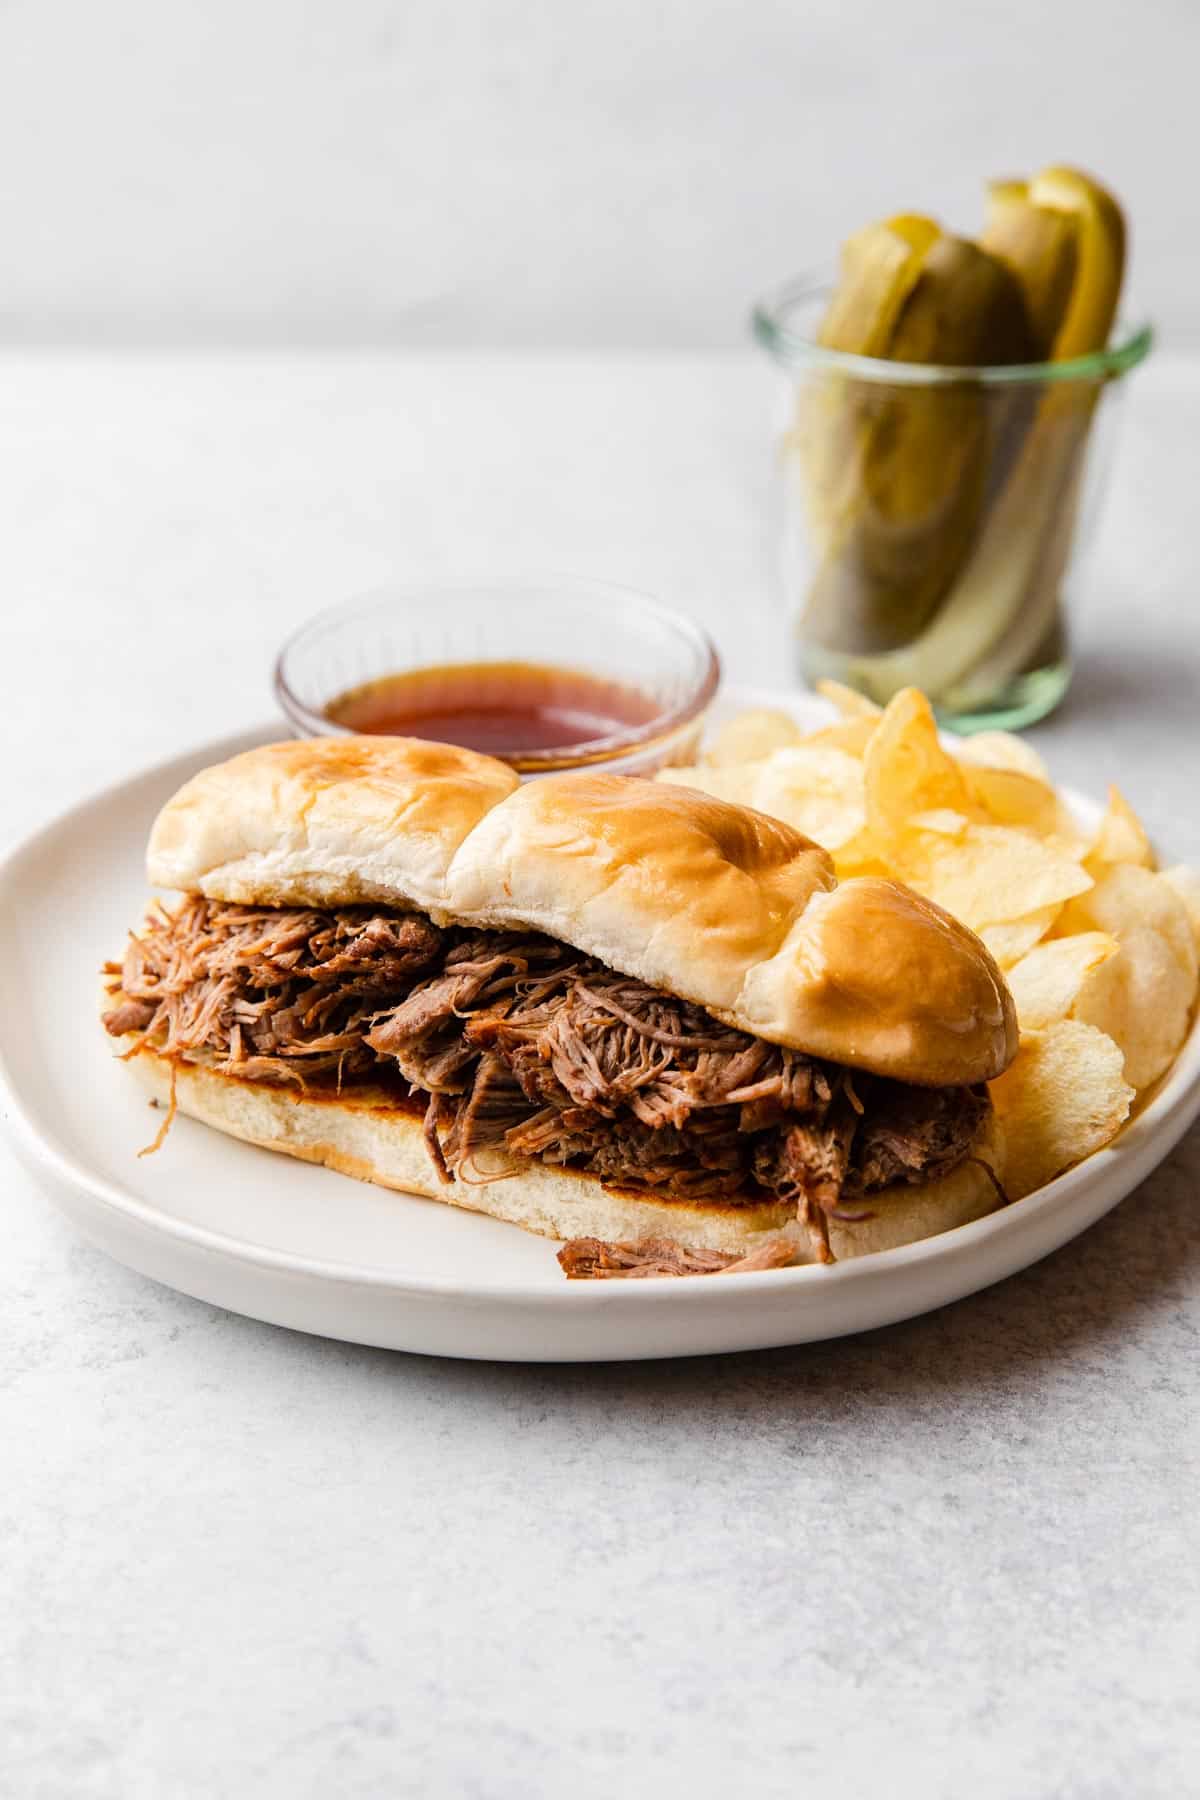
957,1556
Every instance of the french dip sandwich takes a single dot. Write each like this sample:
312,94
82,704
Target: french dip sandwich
591,1005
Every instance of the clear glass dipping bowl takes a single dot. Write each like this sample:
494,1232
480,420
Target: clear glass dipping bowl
601,631
937,521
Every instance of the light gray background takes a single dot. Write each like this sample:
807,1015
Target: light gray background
522,172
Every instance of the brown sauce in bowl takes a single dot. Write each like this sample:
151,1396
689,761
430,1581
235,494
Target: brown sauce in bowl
518,711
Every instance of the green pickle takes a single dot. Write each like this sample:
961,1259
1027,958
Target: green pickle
942,514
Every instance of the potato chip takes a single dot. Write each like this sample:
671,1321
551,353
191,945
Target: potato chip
1001,750
734,783
1139,999
752,735
1127,898
942,821
851,735
990,874
1064,1098
849,702
907,770
1011,939
1070,841
857,859
1010,797
819,791
1047,982
1121,838
1186,883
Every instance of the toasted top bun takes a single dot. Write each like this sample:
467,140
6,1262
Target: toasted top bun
663,882
712,902
326,822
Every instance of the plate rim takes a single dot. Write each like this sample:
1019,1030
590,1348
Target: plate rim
1145,1142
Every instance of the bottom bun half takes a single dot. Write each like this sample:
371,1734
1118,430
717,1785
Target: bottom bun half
367,1135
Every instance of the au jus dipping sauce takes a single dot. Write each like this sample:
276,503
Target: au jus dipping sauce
525,713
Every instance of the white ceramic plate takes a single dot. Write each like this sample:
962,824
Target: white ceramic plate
298,1246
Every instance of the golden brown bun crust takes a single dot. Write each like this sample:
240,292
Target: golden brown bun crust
326,822
372,1140
876,977
716,903
661,882
742,914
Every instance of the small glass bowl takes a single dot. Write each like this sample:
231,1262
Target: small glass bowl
937,521
602,632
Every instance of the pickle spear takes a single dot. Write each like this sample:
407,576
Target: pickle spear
1039,246
1004,604
1099,257
897,473
879,268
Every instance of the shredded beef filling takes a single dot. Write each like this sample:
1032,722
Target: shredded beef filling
523,1047
591,1259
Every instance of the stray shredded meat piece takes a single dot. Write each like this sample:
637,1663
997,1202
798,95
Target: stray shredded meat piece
160,1136
1001,1190
591,1259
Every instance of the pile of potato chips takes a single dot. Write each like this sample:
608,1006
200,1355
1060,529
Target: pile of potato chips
1099,949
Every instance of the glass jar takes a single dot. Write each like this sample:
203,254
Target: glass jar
936,521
